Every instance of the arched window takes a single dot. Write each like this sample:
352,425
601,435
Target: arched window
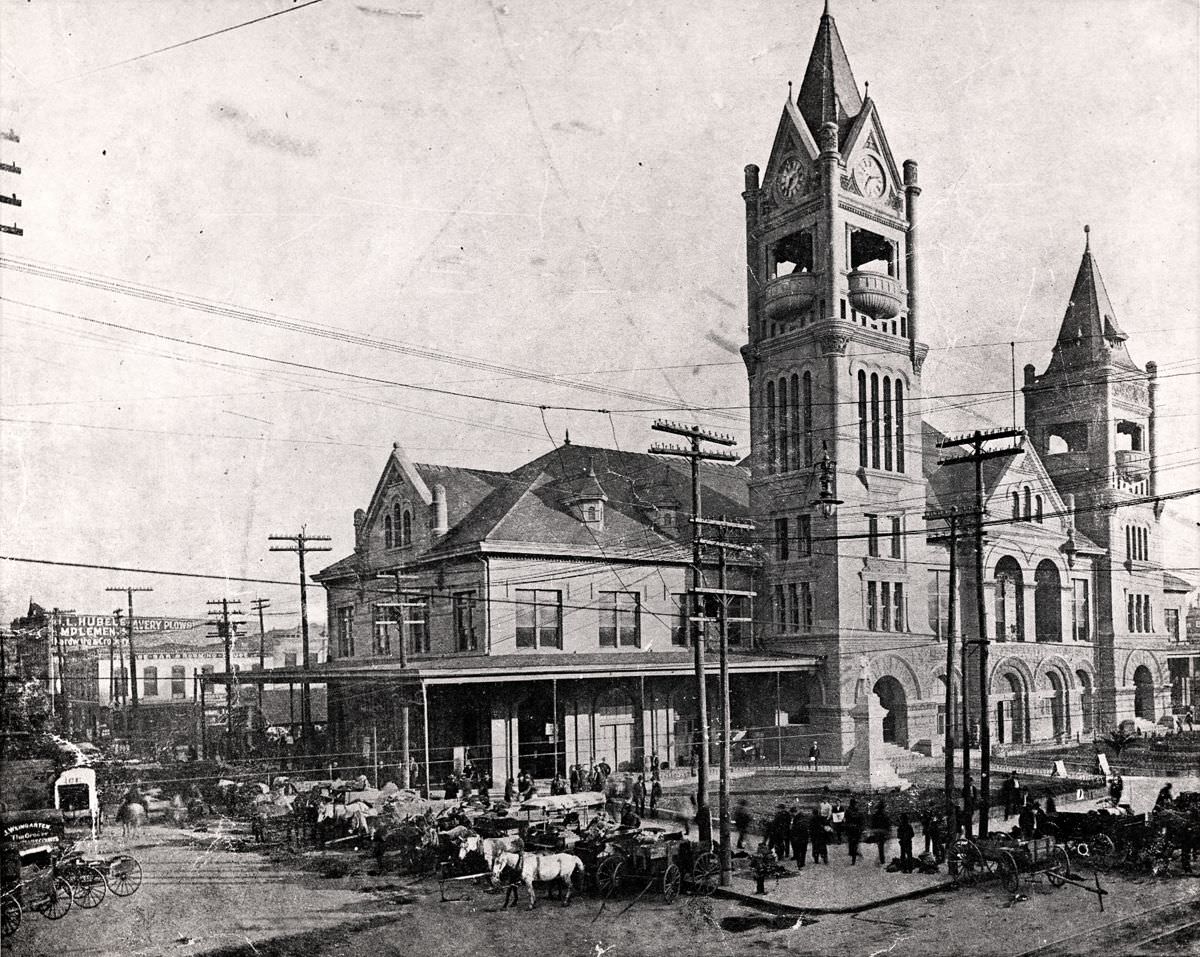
806,412
887,423
862,419
1016,496
1038,509
387,531
1047,602
771,427
1028,504
899,426
874,420
406,529
397,522
1010,601
785,404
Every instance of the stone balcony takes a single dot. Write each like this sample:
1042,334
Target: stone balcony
877,295
1133,465
786,297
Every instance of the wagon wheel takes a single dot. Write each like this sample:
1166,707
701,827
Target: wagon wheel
671,879
609,876
124,875
88,887
57,901
1010,876
10,913
1103,851
1060,866
966,862
706,874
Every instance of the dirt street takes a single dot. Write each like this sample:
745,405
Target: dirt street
201,898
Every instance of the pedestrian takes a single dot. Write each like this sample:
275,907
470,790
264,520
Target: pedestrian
741,816
576,778
1026,822
904,833
557,785
510,790
970,799
814,755
1188,719
781,826
1116,787
451,786
837,818
853,829
881,827
1165,799
639,794
655,794
927,827
939,838
818,837
799,826
1008,794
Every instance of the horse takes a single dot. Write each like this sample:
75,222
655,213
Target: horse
567,869
489,848
132,816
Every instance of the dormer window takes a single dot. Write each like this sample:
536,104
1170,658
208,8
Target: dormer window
587,499
593,513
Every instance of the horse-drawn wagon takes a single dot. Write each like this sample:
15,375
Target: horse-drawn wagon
1010,859
649,857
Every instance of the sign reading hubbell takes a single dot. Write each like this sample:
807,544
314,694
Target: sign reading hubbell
90,631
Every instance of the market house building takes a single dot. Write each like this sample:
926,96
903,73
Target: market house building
544,618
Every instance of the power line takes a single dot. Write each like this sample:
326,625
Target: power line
146,571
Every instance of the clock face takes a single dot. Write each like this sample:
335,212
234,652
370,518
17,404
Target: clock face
792,178
869,177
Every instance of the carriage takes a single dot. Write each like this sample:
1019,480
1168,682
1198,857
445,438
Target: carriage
630,858
1011,859
30,880
1094,836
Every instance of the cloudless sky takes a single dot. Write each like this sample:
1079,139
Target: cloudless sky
541,185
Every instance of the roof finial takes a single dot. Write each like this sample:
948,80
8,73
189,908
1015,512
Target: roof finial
567,438
827,13
1087,238
866,89
789,91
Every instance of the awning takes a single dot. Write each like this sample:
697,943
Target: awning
532,667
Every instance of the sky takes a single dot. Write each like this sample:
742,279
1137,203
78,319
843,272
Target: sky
452,196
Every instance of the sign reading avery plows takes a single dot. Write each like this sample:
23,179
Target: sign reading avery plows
87,631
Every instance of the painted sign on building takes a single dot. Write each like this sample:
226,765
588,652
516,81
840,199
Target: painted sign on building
93,631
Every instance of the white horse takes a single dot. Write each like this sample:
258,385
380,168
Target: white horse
544,868
490,848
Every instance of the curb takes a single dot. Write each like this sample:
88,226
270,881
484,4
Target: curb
780,907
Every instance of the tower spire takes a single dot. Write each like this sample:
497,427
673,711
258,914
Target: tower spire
829,93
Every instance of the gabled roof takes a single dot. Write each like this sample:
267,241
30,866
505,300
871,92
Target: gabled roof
1174,583
529,509
829,92
1089,323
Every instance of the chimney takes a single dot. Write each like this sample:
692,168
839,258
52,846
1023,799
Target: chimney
360,529
441,524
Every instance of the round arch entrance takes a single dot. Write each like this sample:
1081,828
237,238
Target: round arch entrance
893,697
1143,693
1012,717
1058,706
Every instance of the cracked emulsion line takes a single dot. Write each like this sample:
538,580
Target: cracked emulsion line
888,950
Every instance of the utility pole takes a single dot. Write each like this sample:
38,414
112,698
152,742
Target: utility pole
695,454
978,454
226,631
950,516
259,604
58,682
401,618
129,590
299,544
723,595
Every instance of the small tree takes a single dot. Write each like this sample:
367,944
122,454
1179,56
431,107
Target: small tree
1118,739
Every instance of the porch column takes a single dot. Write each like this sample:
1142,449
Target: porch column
504,742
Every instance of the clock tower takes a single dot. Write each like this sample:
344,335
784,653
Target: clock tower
834,366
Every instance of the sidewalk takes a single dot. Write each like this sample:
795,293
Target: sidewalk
837,887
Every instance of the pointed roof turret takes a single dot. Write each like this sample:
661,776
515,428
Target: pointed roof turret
1089,326
829,92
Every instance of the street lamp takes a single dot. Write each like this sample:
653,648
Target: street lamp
827,498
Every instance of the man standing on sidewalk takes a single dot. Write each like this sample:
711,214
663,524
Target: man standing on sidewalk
853,829
819,837
881,827
1010,792
970,800
781,837
741,820
905,835
799,837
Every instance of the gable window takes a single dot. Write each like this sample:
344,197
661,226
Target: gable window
406,529
465,638
1016,502
1038,513
397,523
150,682
620,619
178,681
1028,503
873,535
388,535
804,536
539,618
345,632
781,539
